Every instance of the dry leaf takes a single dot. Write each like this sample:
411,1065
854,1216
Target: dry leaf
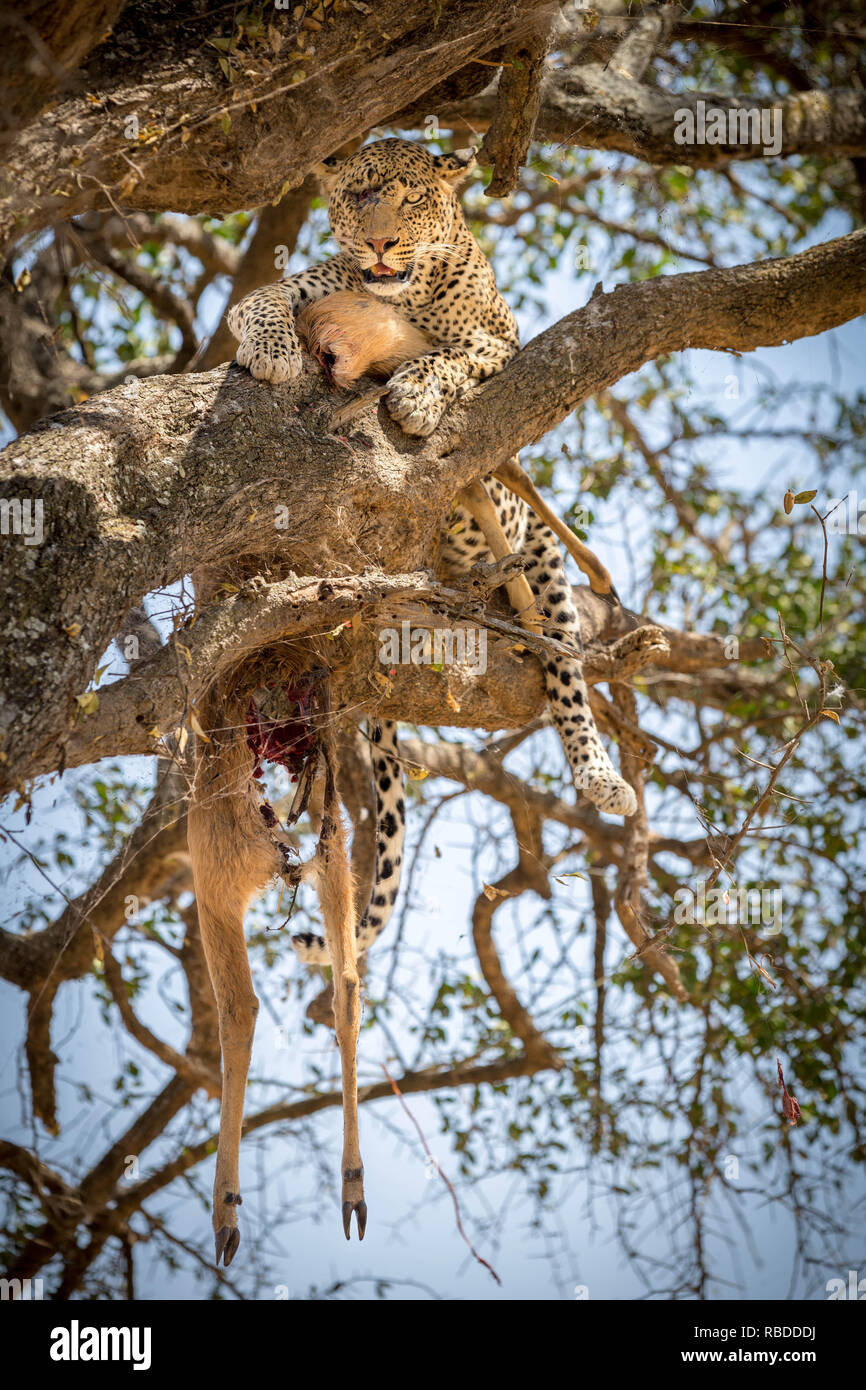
790,1107
181,738
195,725
88,703
491,893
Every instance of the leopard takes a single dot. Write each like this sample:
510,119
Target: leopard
403,239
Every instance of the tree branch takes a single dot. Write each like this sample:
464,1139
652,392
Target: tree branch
159,476
205,142
593,107
518,96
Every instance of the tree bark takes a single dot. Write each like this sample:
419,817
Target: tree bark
204,141
595,108
143,484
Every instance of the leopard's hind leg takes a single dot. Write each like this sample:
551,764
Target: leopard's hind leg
390,832
592,770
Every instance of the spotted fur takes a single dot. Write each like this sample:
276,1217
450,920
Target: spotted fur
390,831
402,236
592,771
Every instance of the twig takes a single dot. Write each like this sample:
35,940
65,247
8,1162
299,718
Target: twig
822,520
475,1255
820,669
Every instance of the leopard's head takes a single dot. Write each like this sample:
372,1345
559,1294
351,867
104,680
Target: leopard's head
392,206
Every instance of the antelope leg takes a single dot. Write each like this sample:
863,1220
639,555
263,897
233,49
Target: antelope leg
514,478
338,911
476,500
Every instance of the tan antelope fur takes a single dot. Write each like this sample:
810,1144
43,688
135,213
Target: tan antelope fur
411,297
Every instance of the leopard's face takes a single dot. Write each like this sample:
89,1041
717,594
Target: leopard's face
393,206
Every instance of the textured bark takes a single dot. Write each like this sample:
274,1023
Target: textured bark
745,307
41,46
595,108
142,485
509,692
518,95
145,483
208,144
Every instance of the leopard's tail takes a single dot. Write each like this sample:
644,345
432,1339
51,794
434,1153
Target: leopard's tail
390,832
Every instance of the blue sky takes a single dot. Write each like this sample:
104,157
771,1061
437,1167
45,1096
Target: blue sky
411,1235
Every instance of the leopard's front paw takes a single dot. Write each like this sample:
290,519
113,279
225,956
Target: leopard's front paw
268,342
416,401
271,354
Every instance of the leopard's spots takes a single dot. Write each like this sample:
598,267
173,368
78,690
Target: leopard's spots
391,828
393,204
402,237
592,771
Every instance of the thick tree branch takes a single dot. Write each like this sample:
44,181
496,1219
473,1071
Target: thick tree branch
169,129
41,46
593,107
741,308
135,713
159,476
518,95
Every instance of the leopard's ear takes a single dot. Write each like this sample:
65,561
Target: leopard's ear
328,172
454,168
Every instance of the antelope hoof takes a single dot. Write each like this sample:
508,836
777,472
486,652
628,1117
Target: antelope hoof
227,1238
353,1200
226,1242
360,1210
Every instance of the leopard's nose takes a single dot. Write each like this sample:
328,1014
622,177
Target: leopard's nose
381,244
